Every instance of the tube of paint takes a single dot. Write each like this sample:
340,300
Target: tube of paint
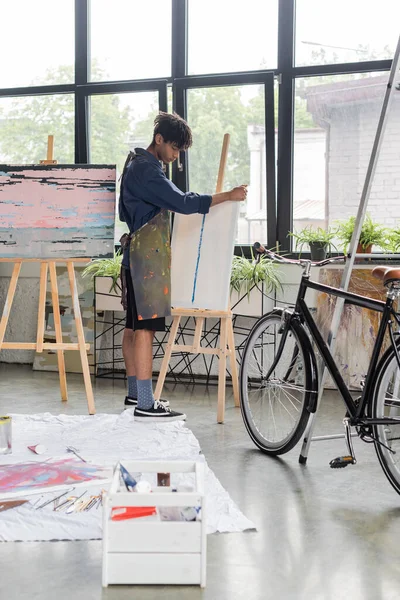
130,482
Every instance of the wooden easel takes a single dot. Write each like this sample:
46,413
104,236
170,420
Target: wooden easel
50,148
226,346
49,266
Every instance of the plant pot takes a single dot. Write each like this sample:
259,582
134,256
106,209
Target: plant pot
361,250
318,250
105,299
366,250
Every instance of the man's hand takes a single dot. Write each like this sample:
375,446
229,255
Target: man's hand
237,194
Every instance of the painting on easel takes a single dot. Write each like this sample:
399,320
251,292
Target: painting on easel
57,211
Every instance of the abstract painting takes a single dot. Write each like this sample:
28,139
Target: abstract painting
358,326
57,211
20,478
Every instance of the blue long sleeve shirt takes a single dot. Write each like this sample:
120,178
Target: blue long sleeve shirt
147,190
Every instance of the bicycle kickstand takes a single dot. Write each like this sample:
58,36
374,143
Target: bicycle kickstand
342,461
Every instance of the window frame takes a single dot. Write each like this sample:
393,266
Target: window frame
279,209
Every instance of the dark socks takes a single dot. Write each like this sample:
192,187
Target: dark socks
132,386
145,394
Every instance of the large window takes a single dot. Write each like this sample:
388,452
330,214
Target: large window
343,31
26,122
215,62
119,123
227,37
336,118
36,43
239,111
130,39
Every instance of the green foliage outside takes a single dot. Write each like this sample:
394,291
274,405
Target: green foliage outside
25,123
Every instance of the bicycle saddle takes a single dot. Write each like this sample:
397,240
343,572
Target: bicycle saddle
387,275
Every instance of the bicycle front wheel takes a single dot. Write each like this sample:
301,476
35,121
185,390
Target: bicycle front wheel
386,403
275,403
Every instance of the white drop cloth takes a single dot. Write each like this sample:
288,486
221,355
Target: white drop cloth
103,440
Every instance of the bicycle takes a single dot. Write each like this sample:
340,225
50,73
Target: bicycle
279,377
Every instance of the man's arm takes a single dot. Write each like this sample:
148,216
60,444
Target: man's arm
236,194
161,192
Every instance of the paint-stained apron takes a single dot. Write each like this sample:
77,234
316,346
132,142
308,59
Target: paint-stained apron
150,266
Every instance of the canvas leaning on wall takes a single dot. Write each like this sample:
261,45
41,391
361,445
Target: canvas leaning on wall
57,211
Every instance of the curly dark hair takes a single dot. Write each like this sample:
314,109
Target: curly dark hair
174,129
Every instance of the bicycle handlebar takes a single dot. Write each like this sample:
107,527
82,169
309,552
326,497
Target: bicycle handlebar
260,250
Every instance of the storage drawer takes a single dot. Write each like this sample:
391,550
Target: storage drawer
134,536
152,568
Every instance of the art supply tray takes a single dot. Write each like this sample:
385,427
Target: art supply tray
148,550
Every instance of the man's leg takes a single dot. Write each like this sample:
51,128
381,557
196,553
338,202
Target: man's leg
143,353
143,358
127,352
147,409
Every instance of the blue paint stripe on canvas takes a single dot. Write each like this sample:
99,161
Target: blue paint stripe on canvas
198,258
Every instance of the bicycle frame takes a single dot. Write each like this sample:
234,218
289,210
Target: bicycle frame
356,412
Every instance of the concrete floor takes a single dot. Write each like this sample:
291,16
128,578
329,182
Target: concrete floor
322,534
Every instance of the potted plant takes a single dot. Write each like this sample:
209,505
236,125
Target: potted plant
318,240
246,278
246,274
393,240
106,274
372,234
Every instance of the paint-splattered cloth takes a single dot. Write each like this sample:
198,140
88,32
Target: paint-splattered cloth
150,266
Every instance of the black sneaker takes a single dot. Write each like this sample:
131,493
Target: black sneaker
133,401
158,413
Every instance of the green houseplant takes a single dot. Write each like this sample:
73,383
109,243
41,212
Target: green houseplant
245,275
318,240
393,239
372,234
106,267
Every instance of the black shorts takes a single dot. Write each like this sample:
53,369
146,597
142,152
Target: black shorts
132,321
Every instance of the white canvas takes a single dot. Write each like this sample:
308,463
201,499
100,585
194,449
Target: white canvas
215,262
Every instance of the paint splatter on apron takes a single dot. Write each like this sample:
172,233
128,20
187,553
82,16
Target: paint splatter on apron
150,265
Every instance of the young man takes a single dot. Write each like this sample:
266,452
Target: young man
146,195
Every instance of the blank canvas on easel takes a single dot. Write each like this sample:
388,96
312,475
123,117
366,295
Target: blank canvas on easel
57,211
202,258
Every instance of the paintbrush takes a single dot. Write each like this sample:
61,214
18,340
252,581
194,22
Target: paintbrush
71,508
53,499
6,505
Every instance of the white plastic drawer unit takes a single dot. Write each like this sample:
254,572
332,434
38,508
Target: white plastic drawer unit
144,551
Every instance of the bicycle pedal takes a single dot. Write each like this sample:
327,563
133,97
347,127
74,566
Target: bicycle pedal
341,461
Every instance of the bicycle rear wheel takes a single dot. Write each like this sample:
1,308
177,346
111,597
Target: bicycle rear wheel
386,403
275,405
